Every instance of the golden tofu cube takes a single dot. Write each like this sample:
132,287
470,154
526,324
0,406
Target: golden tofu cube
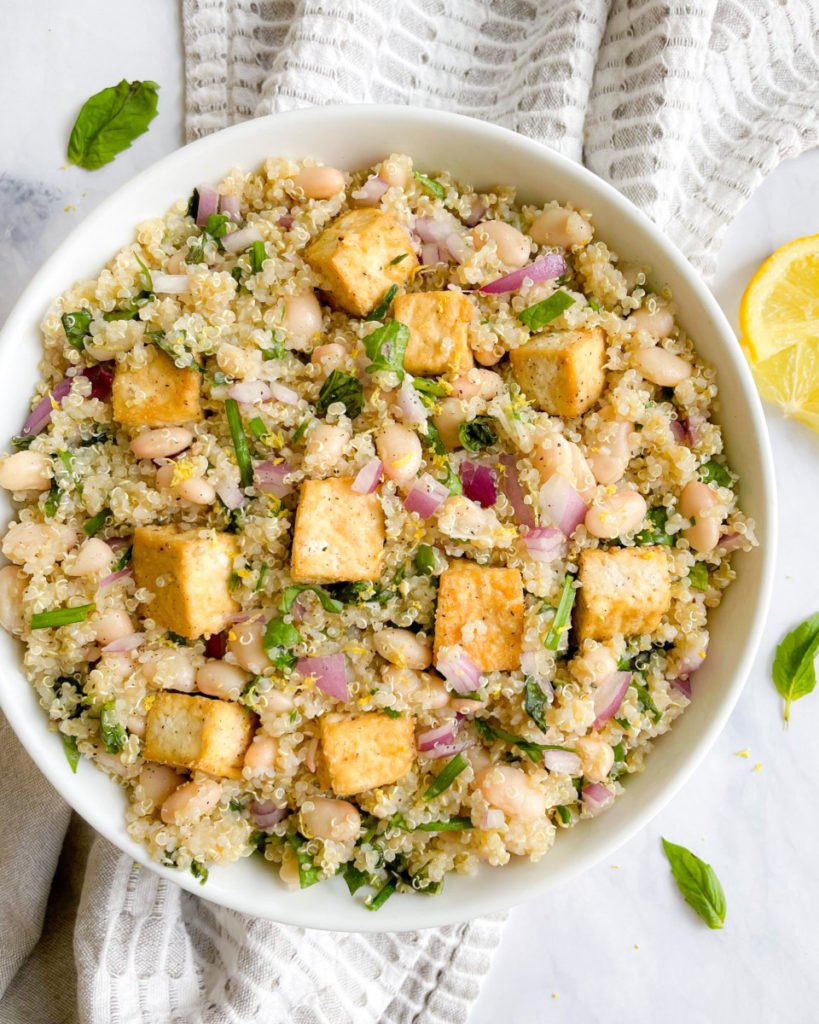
438,324
622,591
482,610
562,372
188,573
197,733
361,753
354,258
157,394
339,533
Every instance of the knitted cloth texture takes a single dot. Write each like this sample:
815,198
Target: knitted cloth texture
684,107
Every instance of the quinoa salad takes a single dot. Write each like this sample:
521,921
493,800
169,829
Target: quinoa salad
367,523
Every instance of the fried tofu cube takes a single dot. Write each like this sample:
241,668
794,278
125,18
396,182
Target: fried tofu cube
197,733
355,257
482,610
438,324
157,394
339,533
622,591
361,753
562,372
188,573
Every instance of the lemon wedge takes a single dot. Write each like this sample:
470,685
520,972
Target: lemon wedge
790,379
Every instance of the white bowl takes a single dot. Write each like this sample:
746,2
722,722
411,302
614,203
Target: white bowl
352,137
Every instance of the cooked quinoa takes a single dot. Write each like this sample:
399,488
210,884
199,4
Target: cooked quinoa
285,423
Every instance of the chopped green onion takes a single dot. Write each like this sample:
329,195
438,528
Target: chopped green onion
217,225
309,874
381,897
452,769
123,560
146,274
561,616
260,580
396,260
96,523
111,732
237,433
380,310
713,471
593,304
300,429
391,713
198,870
565,814
61,616
542,313
698,576
257,257
72,753
453,825
435,188
257,428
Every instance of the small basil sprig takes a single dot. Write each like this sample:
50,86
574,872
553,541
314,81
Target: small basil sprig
386,347
698,883
110,121
478,433
328,603
341,387
542,313
535,703
794,672
279,637
76,326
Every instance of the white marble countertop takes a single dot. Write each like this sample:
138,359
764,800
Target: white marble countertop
619,942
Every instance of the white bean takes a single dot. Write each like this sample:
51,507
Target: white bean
245,644
403,647
112,625
163,477
137,724
279,702
221,679
561,227
44,542
512,791
302,317
197,490
611,450
161,443
260,756
466,706
513,247
115,666
697,501
289,870
12,585
319,182
594,666
93,557
25,471
400,450
424,690
329,357
323,818
191,801
325,445
489,357
462,519
483,383
661,367
597,757
616,515
170,669
158,781
554,454
450,415
659,324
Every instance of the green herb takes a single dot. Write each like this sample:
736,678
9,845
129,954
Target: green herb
61,616
101,437
698,883
386,347
424,560
478,433
96,523
383,306
257,257
278,350
624,723
250,692
170,858
217,225
21,443
594,304
309,874
72,753
260,580
391,713
561,616
176,350
147,280
381,897
429,390
397,259
196,254
52,502
713,471
67,460
655,533
341,387
233,582
278,637
354,878
451,770
698,576
198,870
293,716
435,188
361,592
453,825
236,274
257,428
236,805
237,433
329,604
534,751
564,814
542,313
300,429
131,309
645,700
619,765
535,703
111,732
76,327
123,559
794,672
110,121
175,638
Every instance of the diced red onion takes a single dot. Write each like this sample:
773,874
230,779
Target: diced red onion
368,477
564,762
249,392
170,284
310,754
124,643
609,696
480,483
440,734
239,617
457,247
266,814
410,406
40,416
430,254
461,673
449,749
238,241
207,203
545,543
561,505
371,191
493,817
106,581
679,429
426,496
731,541
597,798
430,229
282,393
216,644
230,206
285,222
269,478
511,487
329,672
547,268
683,684
118,542
476,214
231,495
101,376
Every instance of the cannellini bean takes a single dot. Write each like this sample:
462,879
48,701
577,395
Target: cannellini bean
260,756
419,689
163,477
12,585
329,357
289,870
245,644
616,515
221,679
25,471
478,757
584,482
465,706
450,415
112,625
93,557
279,702
696,498
511,790
554,454
395,174
463,519
325,445
483,383
137,724
697,501
324,818
513,247
661,367
594,666
175,262
158,781
46,542
611,450
197,490
161,443
170,669
302,317
399,448
403,647
319,182
489,357
561,227
659,323
115,666
597,757
191,801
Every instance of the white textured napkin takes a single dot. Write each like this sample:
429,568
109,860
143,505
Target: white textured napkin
684,107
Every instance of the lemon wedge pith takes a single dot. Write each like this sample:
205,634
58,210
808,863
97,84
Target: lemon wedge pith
790,379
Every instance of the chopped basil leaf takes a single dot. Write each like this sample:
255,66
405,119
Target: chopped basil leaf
451,770
257,257
131,309
278,637
561,616
386,347
123,559
341,387
380,310
76,327
236,805
453,825
564,814
424,560
175,638
196,254
109,121
257,428
535,703
147,280
698,576
698,883
250,693
72,753
217,225
354,878
534,751
96,523
198,870
170,858
237,433
645,700
361,592
478,433
655,533
111,732
260,580
794,672
714,472
594,304
236,274
435,188
329,604
309,874
381,897
22,443
391,713
542,313
397,259
300,429
52,501
61,616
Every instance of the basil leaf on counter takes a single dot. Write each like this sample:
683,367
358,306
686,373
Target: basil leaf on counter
794,672
698,883
109,121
